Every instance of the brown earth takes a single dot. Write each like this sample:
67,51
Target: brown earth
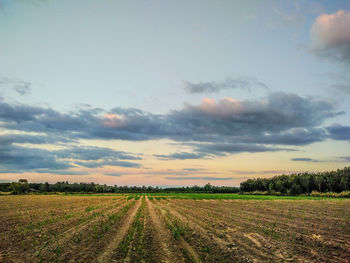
114,229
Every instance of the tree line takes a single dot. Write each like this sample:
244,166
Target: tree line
301,183
22,187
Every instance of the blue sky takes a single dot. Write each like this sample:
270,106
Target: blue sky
157,90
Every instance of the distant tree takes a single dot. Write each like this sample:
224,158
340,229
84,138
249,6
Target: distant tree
208,187
23,181
19,188
332,181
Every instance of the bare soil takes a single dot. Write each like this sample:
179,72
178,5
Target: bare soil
115,229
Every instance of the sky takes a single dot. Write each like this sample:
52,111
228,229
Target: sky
172,93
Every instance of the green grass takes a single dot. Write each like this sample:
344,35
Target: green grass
134,196
89,208
206,196
176,229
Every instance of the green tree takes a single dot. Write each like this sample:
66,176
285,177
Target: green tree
19,188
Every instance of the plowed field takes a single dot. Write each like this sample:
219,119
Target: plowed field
124,228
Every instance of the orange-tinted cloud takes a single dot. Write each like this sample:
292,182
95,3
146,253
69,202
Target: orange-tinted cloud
331,35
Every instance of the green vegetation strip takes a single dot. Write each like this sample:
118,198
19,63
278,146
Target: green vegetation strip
206,196
135,234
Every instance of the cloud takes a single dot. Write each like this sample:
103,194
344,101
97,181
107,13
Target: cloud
94,157
109,163
259,172
94,153
339,159
61,172
193,169
277,113
32,139
226,119
245,83
181,156
221,149
14,156
344,158
260,125
294,136
339,132
210,150
20,86
113,174
22,90
310,160
330,35
205,178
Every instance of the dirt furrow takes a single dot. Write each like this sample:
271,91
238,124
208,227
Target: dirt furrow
73,232
236,233
118,237
165,242
261,219
283,249
85,246
34,241
236,248
290,212
188,251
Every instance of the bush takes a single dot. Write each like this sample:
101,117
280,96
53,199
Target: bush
330,194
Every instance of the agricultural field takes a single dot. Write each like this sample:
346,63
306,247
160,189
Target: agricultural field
173,228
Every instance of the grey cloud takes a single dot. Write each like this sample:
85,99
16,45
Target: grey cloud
181,156
94,157
305,160
339,159
344,158
92,164
94,153
21,87
294,136
277,113
240,126
14,157
32,139
23,90
113,174
193,169
228,148
339,132
245,83
61,172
